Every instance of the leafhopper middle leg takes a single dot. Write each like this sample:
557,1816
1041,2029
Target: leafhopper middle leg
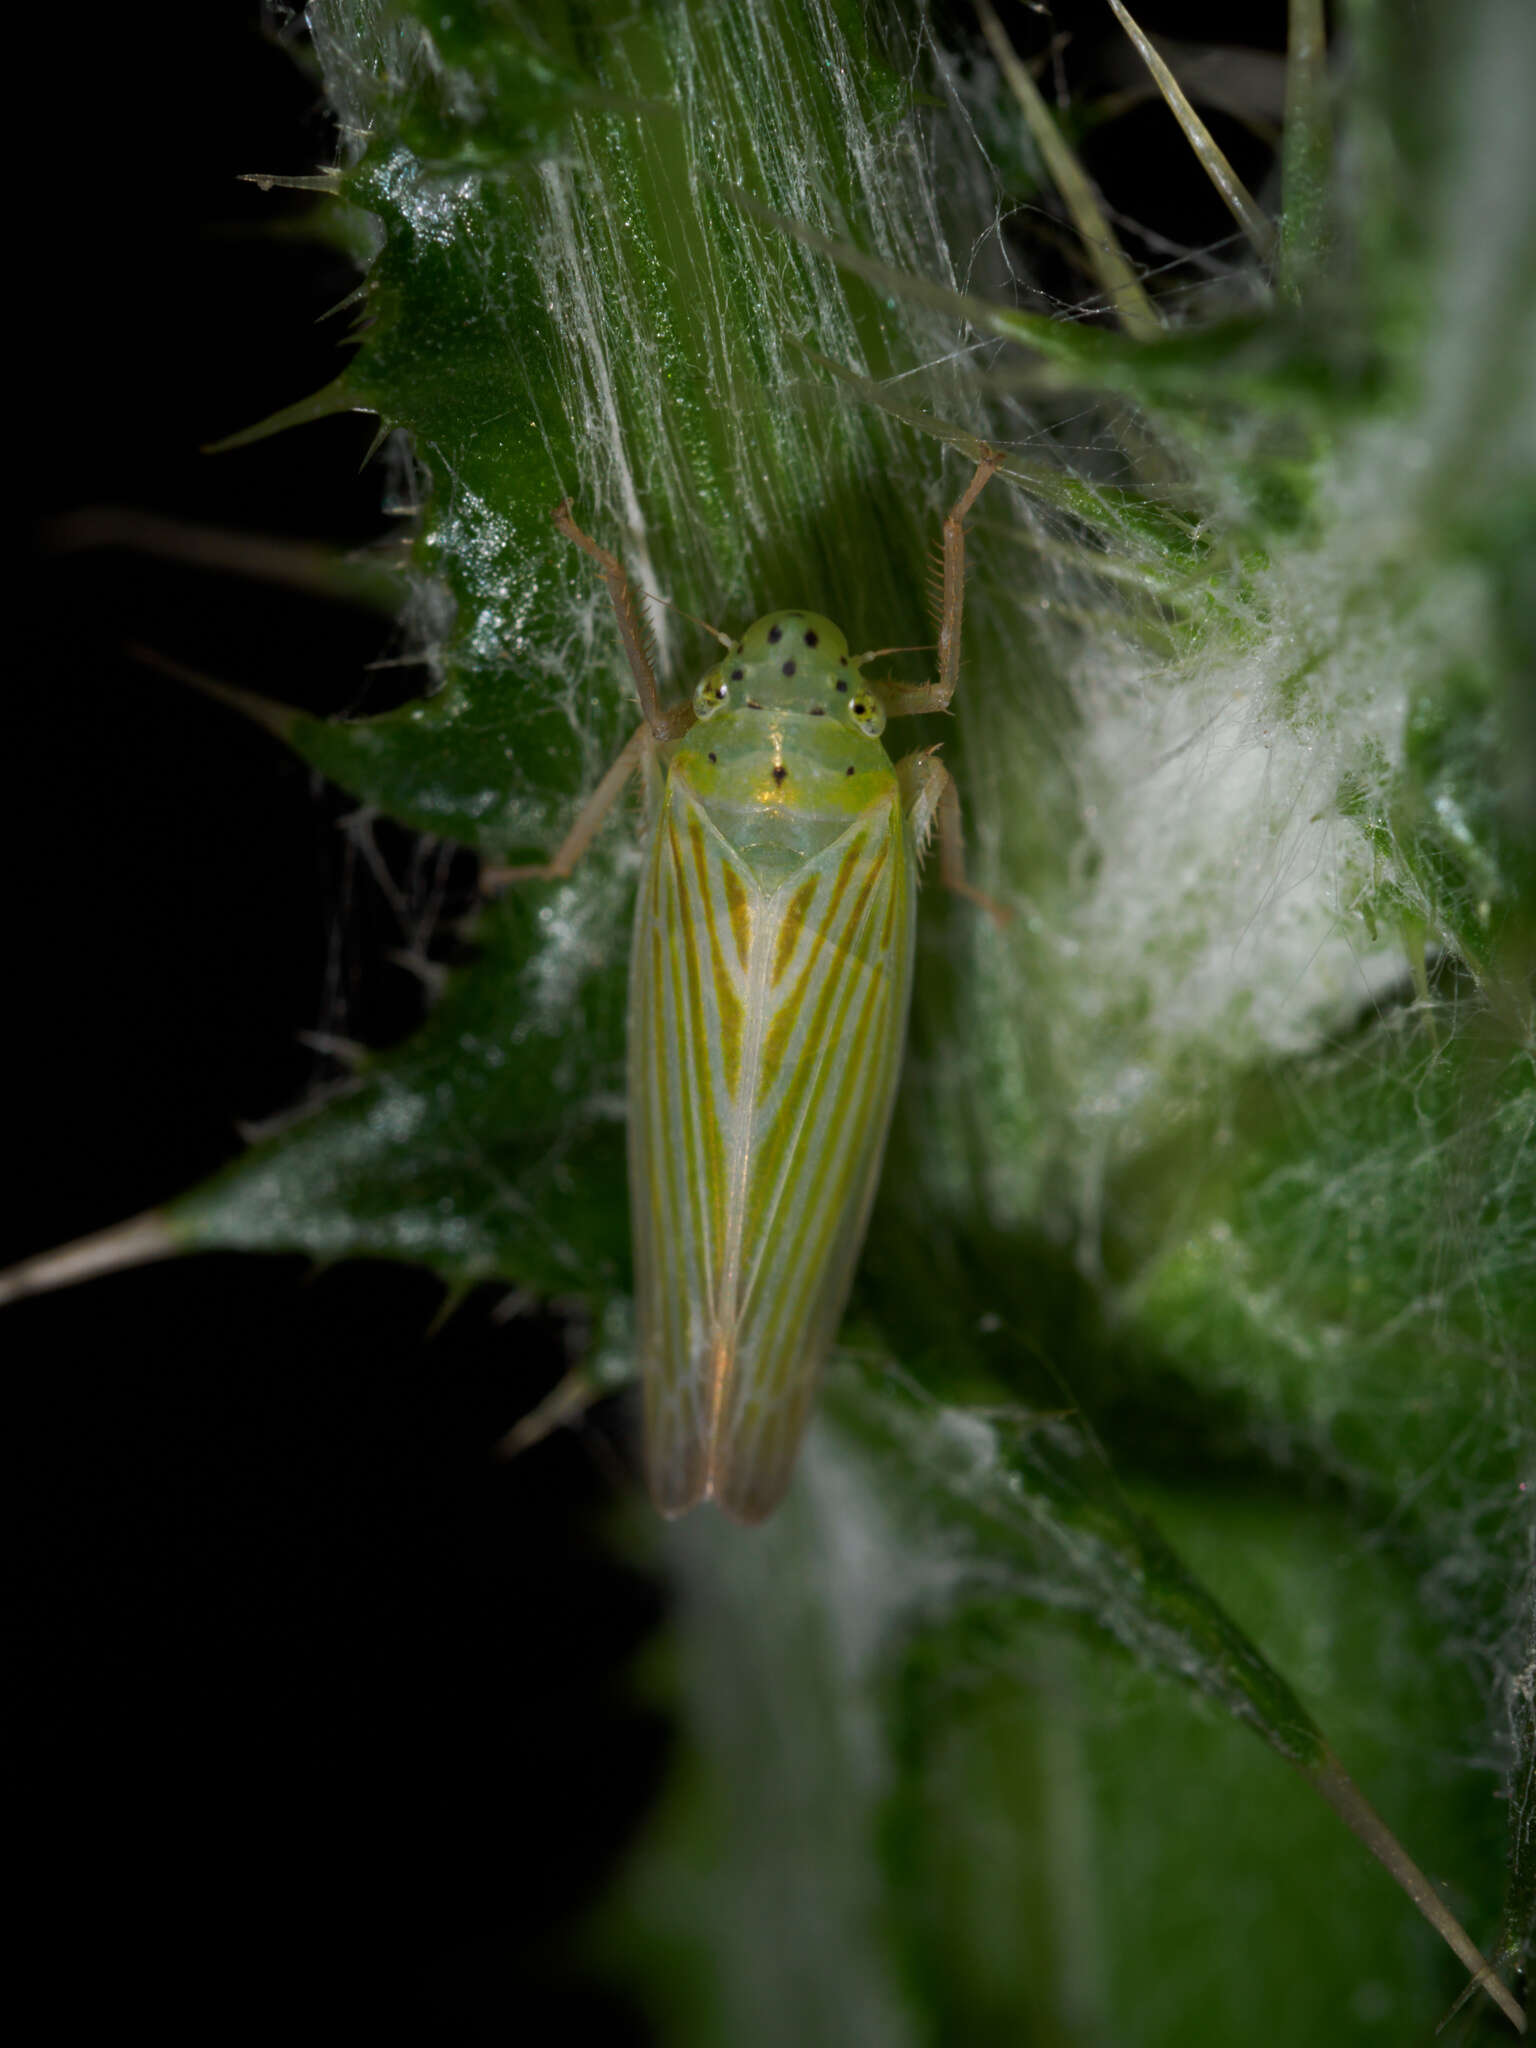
932,803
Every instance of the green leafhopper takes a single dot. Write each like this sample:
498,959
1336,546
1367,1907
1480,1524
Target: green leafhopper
770,972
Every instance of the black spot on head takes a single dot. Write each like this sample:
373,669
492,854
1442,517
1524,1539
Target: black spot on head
752,704
842,682
811,639
842,661
775,634
737,674
711,758
818,711
779,771
789,668
847,771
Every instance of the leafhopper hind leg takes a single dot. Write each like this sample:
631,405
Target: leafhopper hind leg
568,1403
659,727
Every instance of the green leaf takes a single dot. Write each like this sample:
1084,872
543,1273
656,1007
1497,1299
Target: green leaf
1199,1308
489,1146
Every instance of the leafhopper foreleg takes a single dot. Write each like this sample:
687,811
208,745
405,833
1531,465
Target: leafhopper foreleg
658,729
903,700
932,801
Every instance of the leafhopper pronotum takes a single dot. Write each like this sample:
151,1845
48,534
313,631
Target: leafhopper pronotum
770,973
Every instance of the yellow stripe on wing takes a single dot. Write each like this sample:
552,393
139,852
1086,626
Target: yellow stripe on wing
765,1049
728,1006
817,1149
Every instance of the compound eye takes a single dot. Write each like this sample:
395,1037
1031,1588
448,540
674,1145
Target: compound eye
867,713
713,694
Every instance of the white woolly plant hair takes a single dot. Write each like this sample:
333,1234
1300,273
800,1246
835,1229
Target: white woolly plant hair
1165,810
1159,796
1210,905
1212,911
1176,817
1198,906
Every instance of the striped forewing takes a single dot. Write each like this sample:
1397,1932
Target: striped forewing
765,1044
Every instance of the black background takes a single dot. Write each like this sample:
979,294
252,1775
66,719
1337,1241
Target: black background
327,1732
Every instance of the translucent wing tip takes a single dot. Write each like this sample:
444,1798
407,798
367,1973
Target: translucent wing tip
748,1504
752,1464
745,1480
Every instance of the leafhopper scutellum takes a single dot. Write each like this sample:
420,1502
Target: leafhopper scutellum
770,972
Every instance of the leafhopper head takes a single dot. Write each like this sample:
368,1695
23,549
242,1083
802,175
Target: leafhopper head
796,662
